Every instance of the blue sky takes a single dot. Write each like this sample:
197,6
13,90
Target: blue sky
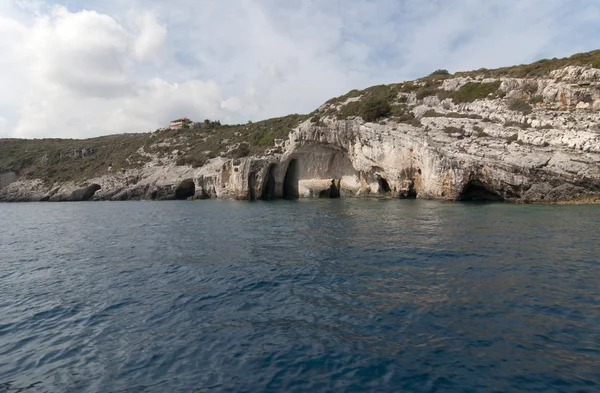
87,67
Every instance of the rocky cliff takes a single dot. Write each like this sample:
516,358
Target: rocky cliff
523,135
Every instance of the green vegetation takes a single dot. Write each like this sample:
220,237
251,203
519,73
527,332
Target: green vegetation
453,130
427,91
519,106
59,160
439,73
71,159
402,114
432,113
475,91
374,103
536,99
513,138
539,68
374,109
522,126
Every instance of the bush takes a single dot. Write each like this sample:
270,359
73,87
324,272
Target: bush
444,94
453,130
408,118
242,150
519,106
472,91
540,67
513,138
440,73
432,113
374,109
536,99
426,91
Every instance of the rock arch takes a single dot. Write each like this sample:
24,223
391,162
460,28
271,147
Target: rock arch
475,190
186,189
384,186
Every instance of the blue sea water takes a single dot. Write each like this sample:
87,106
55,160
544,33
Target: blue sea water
327,295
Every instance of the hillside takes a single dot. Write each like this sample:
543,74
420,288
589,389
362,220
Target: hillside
528,133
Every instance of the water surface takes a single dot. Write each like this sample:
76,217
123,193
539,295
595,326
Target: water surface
328,295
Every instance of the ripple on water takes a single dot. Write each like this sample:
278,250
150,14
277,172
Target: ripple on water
299,296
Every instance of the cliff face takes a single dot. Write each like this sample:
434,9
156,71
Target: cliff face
458,138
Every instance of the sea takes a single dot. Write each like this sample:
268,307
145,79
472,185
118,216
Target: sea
299,296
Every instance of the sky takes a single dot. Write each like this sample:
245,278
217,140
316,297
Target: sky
84,68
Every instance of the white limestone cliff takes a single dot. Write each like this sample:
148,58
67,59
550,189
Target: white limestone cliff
462,151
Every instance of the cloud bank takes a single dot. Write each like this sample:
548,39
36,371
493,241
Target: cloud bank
94,67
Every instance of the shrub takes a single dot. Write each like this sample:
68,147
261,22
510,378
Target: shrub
426,91
242,150
398,110
440,72
444,94
453,130
408,118
472,91
415,123
512,138
374,109
519,106
541,67
432,113
536,99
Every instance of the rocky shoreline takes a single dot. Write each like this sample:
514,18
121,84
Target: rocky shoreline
547,151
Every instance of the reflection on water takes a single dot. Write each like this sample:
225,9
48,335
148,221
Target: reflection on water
325,295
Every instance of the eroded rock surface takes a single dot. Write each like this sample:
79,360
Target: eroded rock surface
534,140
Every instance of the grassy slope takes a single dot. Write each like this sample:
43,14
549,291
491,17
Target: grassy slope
61,159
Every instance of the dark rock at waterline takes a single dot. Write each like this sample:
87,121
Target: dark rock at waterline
84,194
186,189
409,193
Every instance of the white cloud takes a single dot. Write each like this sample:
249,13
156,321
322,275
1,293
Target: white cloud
150,43
110,67
84,52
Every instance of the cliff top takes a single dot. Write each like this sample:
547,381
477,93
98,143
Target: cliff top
60,160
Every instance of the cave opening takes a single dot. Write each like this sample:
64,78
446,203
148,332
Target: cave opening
268,191
384,186
251,186
290,182
333,191
186,189
475,191
409,193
